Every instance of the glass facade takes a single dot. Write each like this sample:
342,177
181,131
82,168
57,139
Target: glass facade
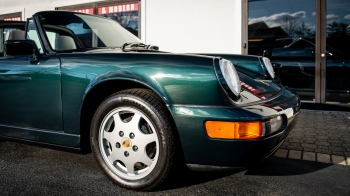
285,31
338,52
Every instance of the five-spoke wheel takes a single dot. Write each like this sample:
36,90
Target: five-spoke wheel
128,143
132,139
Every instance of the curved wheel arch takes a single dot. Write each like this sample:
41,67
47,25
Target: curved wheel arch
96,94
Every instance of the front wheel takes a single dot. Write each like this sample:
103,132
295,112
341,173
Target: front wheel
132,139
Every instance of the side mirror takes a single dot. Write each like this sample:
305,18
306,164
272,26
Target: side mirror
151,47
22,48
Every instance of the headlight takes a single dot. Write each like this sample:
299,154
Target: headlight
269,67
276,123
229,73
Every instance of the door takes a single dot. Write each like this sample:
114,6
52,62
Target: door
30,91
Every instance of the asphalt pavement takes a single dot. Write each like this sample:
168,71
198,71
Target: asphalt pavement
31,170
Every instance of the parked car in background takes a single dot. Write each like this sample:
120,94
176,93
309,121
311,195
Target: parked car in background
294,65
78,81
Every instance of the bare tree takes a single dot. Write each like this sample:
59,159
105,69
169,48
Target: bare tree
290,26
304,31
336,29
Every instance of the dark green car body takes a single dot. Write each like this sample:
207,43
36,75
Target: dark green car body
51,100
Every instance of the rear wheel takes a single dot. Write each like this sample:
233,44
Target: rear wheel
132,139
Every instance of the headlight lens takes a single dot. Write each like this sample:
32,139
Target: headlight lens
276,123
230,75
269,67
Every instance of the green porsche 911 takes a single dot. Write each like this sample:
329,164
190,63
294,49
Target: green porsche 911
77,81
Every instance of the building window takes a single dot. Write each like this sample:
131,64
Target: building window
338,53
125,13
284,31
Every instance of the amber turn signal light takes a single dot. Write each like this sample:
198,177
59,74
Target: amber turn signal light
234,130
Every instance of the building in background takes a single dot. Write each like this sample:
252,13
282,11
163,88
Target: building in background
306,40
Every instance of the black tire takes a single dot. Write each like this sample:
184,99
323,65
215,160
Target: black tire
137,112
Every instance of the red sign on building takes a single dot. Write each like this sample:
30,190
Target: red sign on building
85,11
13,19
118,8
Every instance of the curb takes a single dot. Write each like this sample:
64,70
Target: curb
312,156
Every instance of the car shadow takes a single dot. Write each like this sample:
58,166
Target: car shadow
286,167
271,167
188,178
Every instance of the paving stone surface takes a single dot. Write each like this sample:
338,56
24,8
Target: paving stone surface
324,158
309,156
321,132
293,154
338,160
281,153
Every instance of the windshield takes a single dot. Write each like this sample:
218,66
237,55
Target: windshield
70,31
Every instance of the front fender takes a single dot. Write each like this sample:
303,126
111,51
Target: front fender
177,79
125,75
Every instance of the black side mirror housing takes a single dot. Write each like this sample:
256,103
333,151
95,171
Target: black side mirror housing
151,47
22,48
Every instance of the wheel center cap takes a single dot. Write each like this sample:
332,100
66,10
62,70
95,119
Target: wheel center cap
126,143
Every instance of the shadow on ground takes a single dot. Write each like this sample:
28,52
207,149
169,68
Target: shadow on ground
187,178
271,167
286,167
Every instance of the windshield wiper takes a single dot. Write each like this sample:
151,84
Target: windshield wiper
135,46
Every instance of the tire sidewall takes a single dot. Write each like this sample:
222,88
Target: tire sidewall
128,100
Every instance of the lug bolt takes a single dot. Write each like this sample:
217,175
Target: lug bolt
126,153
117,145
121,133
135,148
132,135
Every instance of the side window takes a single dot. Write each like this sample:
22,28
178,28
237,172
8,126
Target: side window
52,36
32,33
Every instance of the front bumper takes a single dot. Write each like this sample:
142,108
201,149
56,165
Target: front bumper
203,153
249,156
